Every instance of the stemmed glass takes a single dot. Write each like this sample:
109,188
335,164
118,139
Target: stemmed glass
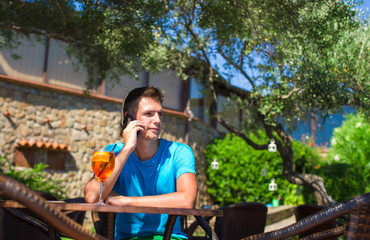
102,163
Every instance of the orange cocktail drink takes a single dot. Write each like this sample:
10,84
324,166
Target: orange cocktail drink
102,163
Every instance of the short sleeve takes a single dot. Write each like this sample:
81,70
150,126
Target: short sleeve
185,161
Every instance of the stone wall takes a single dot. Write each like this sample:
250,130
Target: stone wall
83,123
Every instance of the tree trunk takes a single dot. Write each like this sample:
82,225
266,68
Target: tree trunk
311,181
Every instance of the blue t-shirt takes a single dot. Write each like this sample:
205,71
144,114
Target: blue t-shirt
155,176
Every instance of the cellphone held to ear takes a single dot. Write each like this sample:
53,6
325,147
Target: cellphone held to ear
125,120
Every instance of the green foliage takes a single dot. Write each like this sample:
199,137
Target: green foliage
34,178
343,180
284,53
351,62
306,159
347,170
105,37
244,174
350,142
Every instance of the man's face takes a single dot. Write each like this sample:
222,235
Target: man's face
150,112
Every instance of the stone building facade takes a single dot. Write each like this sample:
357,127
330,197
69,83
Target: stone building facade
42,123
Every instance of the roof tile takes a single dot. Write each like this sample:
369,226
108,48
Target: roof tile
42,144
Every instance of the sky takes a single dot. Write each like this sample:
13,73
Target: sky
365,5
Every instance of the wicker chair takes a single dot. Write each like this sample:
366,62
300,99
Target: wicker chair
52,218
21,223
24,224
239,220
305,210
14,219
357,226
104,223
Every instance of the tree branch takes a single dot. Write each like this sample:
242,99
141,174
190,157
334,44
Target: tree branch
240,68
295,89
235,130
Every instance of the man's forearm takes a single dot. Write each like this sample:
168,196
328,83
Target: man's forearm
170,200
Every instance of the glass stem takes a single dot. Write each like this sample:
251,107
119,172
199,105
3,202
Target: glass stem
101,192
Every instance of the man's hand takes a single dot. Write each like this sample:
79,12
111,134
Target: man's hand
113,198
116,199
129,134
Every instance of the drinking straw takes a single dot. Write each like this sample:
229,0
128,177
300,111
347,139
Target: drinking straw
114,147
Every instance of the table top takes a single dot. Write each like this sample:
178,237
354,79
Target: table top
120,209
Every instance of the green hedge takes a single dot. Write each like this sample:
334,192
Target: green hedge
244,174
347,170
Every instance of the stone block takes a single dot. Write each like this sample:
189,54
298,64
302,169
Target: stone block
91,144
103,122
24,130
81,113
36,129
69,122
74,148
55,124
54,112
75,135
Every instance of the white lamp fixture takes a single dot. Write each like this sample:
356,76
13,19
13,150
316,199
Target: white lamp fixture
215,164
272,185
272,146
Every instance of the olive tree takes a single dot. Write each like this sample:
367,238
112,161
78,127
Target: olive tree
289,56
292,57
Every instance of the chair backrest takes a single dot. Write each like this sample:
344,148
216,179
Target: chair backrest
306,210
16,223
241,220
21,223
104,223
358,225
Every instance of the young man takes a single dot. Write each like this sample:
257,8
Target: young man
148,171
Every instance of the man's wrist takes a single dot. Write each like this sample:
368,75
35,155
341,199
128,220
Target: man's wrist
125,151
128,149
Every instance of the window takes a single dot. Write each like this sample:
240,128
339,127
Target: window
28,157
171,85
29,153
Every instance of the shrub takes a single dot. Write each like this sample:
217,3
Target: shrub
343,180
244,174
34,178
347,170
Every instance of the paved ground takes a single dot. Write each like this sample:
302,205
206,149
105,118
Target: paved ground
280,224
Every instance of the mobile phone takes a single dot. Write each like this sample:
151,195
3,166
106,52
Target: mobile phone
125,120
